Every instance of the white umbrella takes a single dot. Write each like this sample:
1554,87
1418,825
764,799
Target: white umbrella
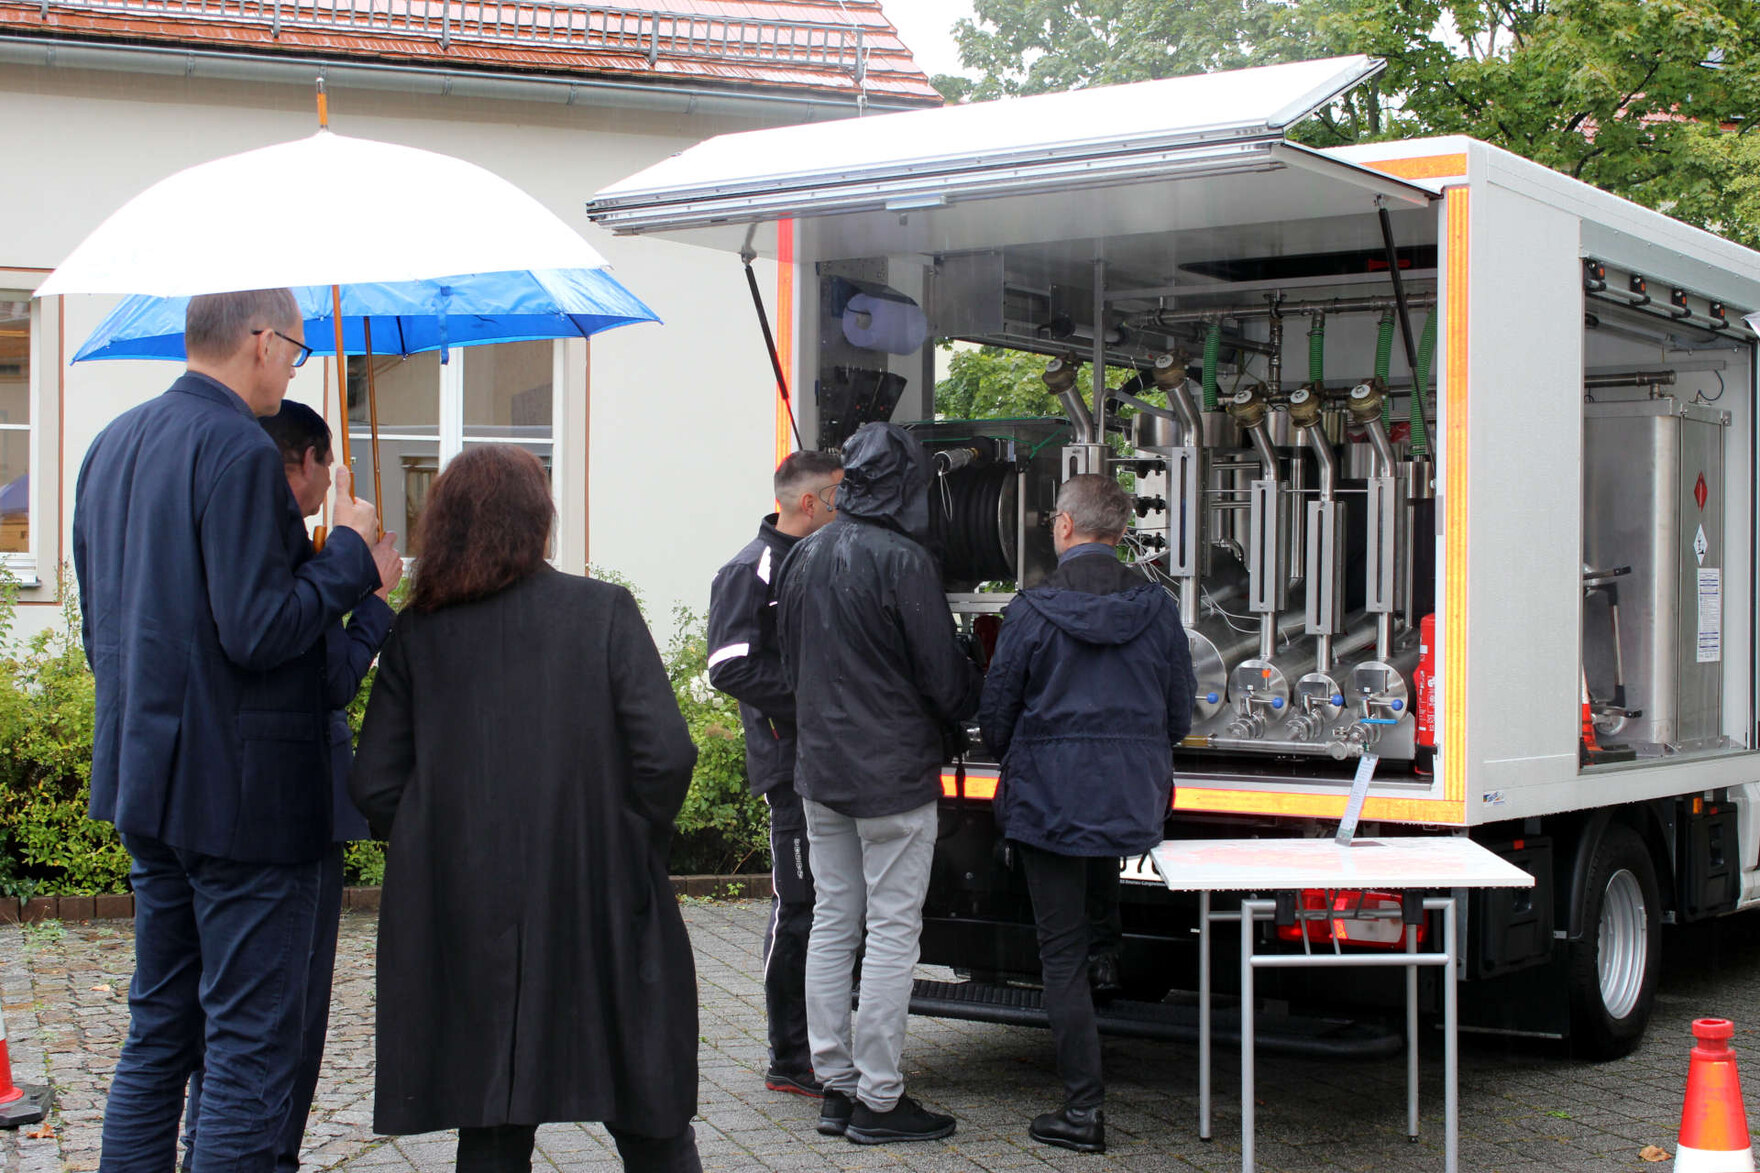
428,235
325,210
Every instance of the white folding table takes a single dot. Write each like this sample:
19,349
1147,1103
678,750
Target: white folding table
1419,863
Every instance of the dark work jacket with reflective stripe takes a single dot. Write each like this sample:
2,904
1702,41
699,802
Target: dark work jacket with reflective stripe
745,660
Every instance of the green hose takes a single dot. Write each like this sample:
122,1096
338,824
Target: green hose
1212,355
1421,393
1317,350
1384,365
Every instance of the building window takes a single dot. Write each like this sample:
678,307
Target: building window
408,391
429,412
15,429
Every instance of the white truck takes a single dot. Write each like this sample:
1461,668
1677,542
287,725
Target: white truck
1498,531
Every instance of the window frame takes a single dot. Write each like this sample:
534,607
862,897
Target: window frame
42,385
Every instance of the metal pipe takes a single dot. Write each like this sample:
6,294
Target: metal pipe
1337,750
1180,398
1667,313
1098,362
1262,445
1323,456
1275,360
1327,305
1147,408
1382,446
1078,415
1249,911
1384,459
1629,379
1411,1038
1204,1014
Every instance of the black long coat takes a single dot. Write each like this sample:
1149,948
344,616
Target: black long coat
526,757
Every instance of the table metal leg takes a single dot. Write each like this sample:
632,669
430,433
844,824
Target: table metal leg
1450,1042
1203,1016
1249,910
1412,1038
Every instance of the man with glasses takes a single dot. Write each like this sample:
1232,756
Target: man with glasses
745,662
205,612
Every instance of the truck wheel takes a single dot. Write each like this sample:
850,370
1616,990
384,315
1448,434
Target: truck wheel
1613,969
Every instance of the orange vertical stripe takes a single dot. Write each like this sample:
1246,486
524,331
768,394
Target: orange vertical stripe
1454,394
785,332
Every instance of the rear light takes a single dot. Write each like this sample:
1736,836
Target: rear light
1382,929
975,785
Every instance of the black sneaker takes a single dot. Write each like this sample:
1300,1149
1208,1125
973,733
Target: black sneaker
1081,1130
908,1120
834,1112
794,1083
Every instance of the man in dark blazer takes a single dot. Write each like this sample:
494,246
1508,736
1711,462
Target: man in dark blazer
205,615
303,439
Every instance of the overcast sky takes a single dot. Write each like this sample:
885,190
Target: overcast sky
927,27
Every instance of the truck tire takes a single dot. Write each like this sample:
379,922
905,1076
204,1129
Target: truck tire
1613,968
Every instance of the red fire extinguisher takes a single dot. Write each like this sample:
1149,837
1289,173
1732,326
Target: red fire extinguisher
1424,685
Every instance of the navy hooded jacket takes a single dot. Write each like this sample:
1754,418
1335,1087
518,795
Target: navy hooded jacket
1090,688
868,644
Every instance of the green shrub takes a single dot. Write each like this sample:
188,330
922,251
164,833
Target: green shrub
722,828
47,844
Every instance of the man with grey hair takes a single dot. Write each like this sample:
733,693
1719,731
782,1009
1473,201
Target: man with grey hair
1089,690
204,618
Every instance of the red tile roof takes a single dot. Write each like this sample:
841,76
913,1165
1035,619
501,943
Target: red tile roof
827,47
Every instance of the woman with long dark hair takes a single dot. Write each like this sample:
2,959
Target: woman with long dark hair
525,756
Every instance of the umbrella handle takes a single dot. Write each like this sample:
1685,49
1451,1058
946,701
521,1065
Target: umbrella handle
319,533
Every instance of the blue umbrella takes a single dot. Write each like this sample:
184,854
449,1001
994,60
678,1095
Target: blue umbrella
407,317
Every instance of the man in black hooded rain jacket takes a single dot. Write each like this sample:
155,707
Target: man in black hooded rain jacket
869,649
1090,688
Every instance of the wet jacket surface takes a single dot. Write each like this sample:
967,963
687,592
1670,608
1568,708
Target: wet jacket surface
348,656
525,756
745,659
1090,688
205,612
868,642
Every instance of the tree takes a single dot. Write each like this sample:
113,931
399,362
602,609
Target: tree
1650,99
991,382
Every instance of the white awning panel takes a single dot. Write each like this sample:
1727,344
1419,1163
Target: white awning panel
1219,123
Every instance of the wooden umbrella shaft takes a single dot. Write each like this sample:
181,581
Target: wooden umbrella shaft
372,417
341,377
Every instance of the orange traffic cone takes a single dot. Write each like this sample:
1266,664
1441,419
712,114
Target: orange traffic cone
15,1106
1714,1126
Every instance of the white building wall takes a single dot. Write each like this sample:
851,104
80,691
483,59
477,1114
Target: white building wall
681,414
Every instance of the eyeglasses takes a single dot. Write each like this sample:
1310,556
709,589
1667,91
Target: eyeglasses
305,351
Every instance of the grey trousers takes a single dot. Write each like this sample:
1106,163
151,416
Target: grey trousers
874,871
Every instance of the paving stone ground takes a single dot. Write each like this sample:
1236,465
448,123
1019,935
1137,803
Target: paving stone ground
1525,1106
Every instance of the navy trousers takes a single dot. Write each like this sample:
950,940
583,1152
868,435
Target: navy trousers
221,952
1075,906
316,1029
785,937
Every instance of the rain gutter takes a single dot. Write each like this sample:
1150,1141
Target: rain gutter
168,60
